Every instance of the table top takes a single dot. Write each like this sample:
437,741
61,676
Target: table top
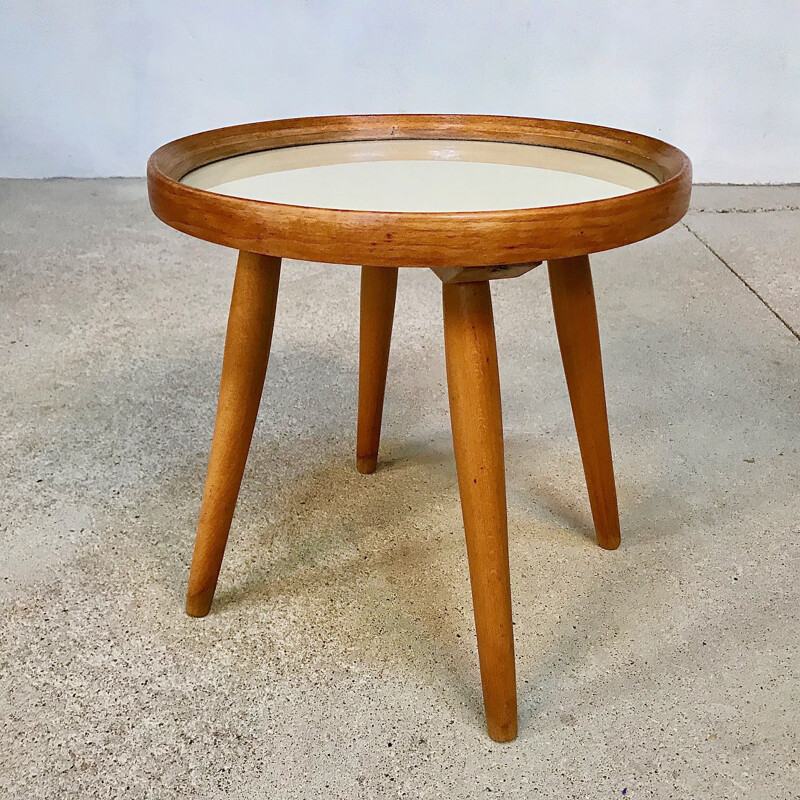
420,175
420,190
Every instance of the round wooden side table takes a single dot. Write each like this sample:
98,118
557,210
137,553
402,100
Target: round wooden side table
475,198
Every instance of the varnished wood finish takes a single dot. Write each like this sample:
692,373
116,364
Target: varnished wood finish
378,292
476,418
466,250
579,340
244,364
419,239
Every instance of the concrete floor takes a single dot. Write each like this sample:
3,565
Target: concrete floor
339,659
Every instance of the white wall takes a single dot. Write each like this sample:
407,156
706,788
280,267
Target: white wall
90,87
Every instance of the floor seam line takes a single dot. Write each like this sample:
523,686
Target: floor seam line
763,210
734,272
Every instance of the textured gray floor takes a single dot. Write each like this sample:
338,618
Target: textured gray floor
339,659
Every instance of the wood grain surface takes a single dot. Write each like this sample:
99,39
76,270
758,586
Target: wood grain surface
244,365
579,340
476,418
378,292
410,239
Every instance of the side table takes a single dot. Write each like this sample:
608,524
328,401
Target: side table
475,199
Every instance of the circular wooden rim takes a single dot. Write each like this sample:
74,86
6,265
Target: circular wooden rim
419,239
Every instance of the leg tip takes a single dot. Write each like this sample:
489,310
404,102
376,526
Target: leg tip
502,733
198,605
366,464
611,542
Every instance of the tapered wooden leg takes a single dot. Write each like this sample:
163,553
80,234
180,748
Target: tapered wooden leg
244,364
378,291
579,340
476,418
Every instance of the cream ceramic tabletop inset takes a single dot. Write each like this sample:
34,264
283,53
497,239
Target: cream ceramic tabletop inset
422,175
